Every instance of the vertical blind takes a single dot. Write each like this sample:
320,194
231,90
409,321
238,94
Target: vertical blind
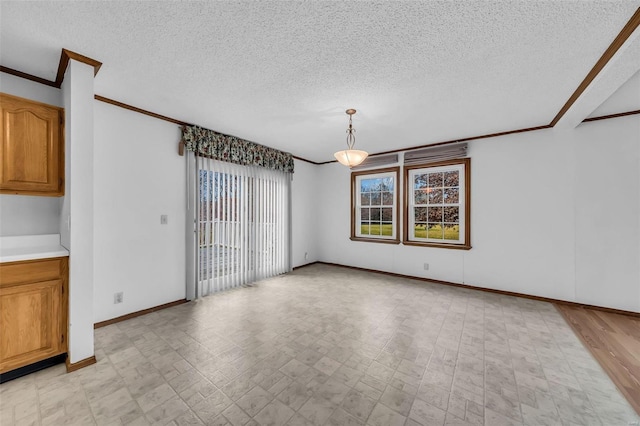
242,218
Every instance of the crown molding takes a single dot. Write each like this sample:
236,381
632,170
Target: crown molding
606,117
624,34
449,142
66,56
305,160
139,110
30,77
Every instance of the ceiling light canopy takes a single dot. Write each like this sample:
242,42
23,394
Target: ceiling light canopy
351,157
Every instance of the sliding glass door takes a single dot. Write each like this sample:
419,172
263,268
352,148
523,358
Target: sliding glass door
241,232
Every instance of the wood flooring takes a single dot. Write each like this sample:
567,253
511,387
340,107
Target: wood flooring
614,340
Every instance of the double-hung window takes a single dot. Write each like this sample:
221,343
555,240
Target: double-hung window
374,202
437,204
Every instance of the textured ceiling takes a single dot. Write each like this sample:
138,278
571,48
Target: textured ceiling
282,73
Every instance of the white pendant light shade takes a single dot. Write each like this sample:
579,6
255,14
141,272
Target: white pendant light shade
350,157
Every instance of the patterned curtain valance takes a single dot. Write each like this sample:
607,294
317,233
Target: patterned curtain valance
234,150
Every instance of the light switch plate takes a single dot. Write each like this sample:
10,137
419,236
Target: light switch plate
164,219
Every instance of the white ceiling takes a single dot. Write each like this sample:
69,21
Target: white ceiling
282,73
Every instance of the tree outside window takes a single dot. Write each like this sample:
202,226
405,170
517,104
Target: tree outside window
437,204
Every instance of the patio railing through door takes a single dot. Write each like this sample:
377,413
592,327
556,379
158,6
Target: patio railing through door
242,233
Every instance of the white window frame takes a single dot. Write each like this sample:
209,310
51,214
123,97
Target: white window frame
356,218
462,166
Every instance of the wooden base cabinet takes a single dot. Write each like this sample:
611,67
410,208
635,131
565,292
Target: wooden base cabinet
33,311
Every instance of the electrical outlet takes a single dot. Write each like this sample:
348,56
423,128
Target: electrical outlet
117,297
306,256
164,219
426,266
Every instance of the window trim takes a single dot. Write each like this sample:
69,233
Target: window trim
466,244
354,192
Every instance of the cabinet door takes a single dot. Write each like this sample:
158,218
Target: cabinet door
32,157
30,323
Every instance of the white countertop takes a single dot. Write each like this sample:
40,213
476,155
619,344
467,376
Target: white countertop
29,247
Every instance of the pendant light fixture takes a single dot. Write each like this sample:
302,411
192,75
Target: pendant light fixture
350,157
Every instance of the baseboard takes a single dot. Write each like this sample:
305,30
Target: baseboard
489,290
138,313
305,265
80,364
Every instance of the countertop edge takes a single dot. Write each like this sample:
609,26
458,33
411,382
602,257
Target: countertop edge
33,256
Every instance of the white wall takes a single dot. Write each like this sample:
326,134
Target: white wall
608,213
28,215
522,229
20,214
540,224
138,176
28,89
304,213
537,226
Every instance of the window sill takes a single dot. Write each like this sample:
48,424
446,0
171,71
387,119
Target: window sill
437,245
375,240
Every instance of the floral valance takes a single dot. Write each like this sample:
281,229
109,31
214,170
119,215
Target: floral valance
234,150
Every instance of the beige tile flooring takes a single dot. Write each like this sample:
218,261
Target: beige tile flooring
331,346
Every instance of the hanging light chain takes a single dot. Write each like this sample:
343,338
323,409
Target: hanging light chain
351,137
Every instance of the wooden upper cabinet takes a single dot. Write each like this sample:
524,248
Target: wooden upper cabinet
32,147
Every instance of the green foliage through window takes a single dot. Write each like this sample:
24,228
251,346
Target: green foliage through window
436,203
375,200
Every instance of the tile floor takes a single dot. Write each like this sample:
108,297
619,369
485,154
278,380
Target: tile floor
330,346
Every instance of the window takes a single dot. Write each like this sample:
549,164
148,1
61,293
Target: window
437,204
374,201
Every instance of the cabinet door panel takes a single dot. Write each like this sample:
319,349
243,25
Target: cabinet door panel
30,322
31,147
